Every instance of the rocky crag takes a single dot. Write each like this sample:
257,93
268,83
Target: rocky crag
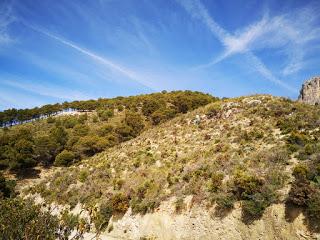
310,91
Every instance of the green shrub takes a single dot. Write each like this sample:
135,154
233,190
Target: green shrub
90,145
310,149
213,110
120,108
95,119
254,206
45,149
120,203
215,182
6,187
105,130
307,151
83,175
59,135
313,206
135,121
246,184
72,140
252,209
82,118
179,204
143,206
150,106
300,171
284,125
103,216
118,183
296,140
69,221
21,155
24,220
162,114
225,201
124,132
256,134
104,115
276,178
50,120
117,204
277,155
145,197
300,192
81,130
65,158
70,122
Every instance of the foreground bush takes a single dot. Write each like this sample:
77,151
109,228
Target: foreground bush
313,207
23,220
246,184
254,207
6,187
225,202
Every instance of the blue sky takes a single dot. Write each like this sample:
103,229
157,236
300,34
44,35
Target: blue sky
55,51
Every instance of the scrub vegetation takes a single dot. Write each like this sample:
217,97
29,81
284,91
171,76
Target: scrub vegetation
66,139
257,150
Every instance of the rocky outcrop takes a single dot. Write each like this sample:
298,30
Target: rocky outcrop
310,91
198,223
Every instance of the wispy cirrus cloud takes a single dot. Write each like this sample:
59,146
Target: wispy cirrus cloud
97,58
141,38
56,67
290,33
259,66
6,18
10,99
48,90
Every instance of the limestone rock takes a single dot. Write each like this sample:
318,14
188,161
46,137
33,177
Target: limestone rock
310,91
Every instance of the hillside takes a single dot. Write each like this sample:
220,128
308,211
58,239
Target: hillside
237,168
63,138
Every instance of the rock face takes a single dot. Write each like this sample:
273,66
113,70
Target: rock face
310,91
199,223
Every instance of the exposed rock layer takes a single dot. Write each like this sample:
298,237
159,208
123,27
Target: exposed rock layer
199,223
310,91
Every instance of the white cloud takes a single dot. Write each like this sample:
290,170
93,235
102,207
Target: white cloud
292,34
56,67
44,90
142,38
6,18
98,59
264,71
198,11
9,99
239,43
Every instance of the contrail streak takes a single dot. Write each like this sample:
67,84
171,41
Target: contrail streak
126,72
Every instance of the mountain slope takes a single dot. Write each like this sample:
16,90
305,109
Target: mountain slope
68,137
246,151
